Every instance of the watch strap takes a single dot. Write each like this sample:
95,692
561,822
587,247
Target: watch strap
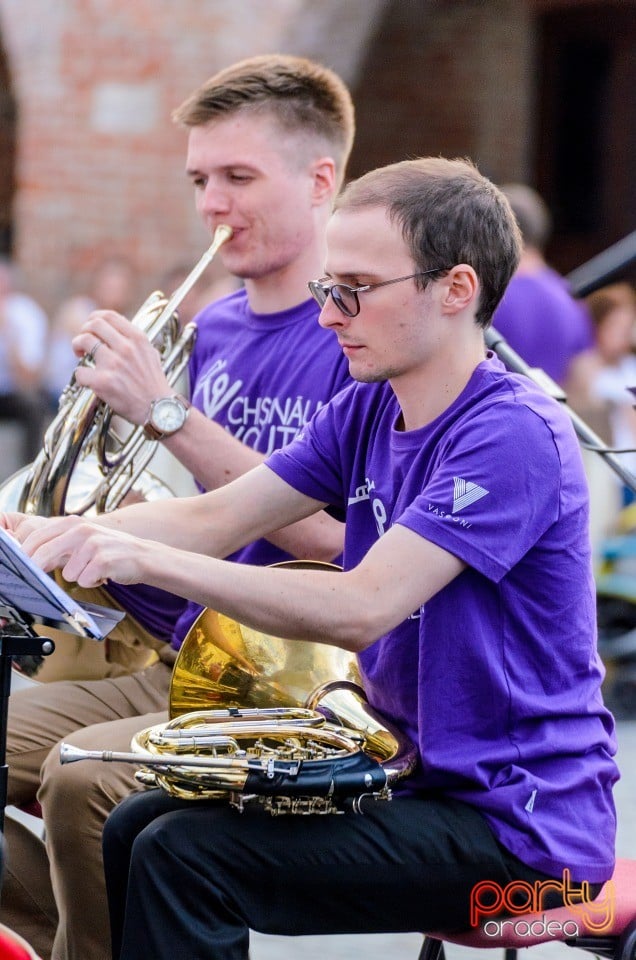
151,432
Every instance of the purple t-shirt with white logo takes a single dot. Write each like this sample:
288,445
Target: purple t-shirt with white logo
262,377
496,678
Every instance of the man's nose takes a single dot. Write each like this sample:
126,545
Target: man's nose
331,316
215,199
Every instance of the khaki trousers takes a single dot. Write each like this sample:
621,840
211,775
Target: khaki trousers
53,893
127,648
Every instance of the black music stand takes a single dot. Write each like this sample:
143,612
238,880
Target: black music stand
28,597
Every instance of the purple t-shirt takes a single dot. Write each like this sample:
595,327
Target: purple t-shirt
262,376
496,678
543,322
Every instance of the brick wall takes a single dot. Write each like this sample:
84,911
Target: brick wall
455,81
100,166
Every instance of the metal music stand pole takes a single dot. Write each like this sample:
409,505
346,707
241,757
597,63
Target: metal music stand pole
17,638
589,439
29,596
611,265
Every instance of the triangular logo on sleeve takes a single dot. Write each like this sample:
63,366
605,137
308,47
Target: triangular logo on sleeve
465,492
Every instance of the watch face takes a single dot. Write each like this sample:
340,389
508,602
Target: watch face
168,415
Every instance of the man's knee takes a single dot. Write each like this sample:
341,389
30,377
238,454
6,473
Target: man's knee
77,797
63,787
25,750
73,795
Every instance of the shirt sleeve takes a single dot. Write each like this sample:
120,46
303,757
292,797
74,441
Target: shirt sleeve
495,491
312,463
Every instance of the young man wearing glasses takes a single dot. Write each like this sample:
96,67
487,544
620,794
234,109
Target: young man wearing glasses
467,595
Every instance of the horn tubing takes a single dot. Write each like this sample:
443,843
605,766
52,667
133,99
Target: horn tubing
71,754
82,425
221,234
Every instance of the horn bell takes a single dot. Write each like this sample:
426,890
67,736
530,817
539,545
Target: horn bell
223,663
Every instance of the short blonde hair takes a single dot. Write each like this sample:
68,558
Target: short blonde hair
302,96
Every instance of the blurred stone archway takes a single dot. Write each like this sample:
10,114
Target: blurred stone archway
336,33
7,154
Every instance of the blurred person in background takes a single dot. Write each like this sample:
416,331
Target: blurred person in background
598,390
23,338
268,143
112,287
599,379
538,315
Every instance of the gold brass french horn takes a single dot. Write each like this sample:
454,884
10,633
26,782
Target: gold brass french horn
257,718
89,460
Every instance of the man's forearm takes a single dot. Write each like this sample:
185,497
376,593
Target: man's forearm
179,522
210,453
216,458
317,538
224,520
318,606
351,609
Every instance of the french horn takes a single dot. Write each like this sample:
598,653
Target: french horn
258,718
90,460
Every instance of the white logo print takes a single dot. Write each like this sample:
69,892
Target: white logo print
258,420
362,492
466,492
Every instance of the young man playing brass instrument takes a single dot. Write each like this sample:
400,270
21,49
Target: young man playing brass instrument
268,142
467,594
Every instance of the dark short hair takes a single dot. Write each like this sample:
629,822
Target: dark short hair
301,95
449,213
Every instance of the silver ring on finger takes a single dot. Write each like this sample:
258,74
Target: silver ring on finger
93,350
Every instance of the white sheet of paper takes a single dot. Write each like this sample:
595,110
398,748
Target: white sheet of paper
26,588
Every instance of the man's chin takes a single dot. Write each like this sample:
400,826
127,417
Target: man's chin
368,376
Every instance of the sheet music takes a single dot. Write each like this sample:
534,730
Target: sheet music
25,588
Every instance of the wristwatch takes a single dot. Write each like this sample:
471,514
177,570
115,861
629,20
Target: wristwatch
165,417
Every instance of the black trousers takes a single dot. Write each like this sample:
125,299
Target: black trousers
187,880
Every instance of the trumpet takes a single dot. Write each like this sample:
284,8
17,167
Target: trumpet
85,464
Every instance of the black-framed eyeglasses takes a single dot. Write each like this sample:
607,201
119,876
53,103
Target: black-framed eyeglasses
345,296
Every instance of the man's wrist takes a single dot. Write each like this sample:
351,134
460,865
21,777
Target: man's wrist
166,416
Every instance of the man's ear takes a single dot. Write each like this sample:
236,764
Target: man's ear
323,172
461,288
